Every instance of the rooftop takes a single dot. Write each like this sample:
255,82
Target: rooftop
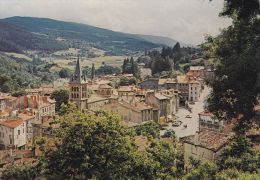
197,68
12,123
209,139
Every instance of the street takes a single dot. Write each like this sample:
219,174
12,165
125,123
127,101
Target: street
193,122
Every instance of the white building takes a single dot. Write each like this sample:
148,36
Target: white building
194,90
13,133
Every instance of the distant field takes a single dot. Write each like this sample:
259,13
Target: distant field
64,63
20,56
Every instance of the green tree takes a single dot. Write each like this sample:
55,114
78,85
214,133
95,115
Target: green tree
96,146
237,77
21,172
64,73
61,97
150,128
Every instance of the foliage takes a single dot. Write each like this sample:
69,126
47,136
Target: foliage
64,73
130,66
61,97
107,70
14,76
125,81
234,174
241,156
237,77
206,170
25,172
150,128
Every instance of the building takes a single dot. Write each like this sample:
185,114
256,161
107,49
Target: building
134,113
160,102
78,84
208,121
194,90
13,133
196,71
96,102
126,91
205,145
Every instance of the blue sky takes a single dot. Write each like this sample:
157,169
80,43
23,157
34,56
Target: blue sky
184,20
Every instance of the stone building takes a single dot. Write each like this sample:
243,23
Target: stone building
134,113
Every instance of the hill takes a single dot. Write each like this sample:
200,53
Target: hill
16,39
81,35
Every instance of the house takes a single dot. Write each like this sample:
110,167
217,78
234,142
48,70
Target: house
209,121
205,145
160,102
126,91
135,112
13,133
196,71
105,90
29,118
194,90
96,102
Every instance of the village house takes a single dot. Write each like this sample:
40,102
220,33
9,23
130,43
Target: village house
208,121
126,91
134,113
205,145
13,133
160,102
196,71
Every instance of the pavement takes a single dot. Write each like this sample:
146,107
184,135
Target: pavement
193,122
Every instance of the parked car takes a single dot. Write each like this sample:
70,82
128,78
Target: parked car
168,133
176,123
188,116
185,125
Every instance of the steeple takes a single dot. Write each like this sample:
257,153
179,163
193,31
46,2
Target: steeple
78,68
78,77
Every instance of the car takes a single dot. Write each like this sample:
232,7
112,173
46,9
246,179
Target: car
188,116
168,133
176,123
185,125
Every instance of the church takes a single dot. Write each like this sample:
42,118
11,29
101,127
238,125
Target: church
78,84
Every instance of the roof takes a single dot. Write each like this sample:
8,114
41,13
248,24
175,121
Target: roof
125,88
182,79
197,68
95,98
160,96
25,116
104,86
209,139
12,123
205,113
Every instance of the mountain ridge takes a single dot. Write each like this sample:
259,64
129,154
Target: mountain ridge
111,41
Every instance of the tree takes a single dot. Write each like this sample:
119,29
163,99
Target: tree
95,146
61,97
93,71
150,128
206,170
237,77
64,73
21,172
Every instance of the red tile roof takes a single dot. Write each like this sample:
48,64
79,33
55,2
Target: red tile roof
12,123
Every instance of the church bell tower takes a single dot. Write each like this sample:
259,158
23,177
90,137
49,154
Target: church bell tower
78,88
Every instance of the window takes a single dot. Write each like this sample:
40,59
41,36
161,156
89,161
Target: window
18,132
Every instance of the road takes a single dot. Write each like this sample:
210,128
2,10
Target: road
193,122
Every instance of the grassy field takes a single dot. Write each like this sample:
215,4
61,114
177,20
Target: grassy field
116,61
19,56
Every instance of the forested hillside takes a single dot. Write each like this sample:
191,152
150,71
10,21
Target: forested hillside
75,34
17,39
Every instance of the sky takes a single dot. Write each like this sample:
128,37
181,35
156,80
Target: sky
187,21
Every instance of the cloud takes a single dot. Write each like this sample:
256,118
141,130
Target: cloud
183,20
